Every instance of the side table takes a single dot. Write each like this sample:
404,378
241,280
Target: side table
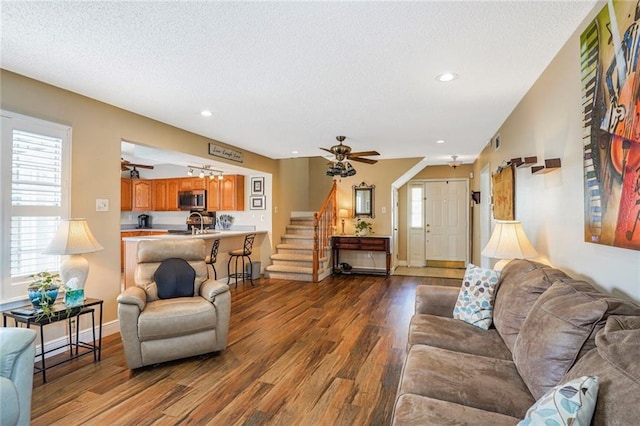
60,312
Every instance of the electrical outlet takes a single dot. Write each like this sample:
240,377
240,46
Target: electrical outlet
369,254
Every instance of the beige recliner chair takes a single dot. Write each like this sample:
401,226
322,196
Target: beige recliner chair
174,310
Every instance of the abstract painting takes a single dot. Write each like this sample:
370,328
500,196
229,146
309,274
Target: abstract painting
611,125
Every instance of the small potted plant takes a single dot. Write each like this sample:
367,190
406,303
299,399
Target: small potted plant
43,291
363,227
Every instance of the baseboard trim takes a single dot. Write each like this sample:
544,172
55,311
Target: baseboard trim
108,329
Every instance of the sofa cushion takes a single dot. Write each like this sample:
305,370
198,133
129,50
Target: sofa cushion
521,283
447,333
570,403
179,316
475,300
616,362
414,410
560,327
174,278
480,382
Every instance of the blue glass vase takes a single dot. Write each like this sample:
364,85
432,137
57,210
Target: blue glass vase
38,296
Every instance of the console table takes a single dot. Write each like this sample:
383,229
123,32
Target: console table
61,313
348,242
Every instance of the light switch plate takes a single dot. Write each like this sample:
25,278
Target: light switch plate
102,205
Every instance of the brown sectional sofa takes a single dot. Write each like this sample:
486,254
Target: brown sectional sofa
547,329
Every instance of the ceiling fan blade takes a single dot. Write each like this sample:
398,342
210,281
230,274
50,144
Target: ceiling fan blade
142,166
362,160
328,150
363,153
124,168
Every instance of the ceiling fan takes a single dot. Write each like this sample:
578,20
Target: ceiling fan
343,152
135,174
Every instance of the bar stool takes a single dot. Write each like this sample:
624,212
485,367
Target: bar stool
211,259
241,253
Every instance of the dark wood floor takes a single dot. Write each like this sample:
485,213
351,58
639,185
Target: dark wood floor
298,354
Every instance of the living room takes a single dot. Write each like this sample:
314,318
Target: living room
547,123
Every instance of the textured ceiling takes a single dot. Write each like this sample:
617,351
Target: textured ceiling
285,76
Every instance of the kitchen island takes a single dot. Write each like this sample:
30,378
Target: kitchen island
229,240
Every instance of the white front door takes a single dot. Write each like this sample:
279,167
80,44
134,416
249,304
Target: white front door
416,235
447,212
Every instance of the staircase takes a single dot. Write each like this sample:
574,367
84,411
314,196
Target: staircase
293,259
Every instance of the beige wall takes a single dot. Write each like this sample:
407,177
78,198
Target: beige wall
547,123
97,130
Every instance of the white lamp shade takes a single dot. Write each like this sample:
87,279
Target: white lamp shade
509,241
73,237
343,213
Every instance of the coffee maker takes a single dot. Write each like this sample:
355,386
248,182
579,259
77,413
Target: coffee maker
144,221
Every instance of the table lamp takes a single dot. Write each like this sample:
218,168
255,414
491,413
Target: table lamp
73,238
508,242
343,213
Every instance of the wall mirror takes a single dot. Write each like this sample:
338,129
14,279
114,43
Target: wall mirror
363,200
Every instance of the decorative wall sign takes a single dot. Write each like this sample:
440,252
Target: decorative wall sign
609,49
257,202
257,186
503,187
223,152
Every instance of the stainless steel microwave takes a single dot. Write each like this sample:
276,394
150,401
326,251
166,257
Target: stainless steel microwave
193,200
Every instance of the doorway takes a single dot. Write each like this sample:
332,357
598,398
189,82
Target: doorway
438,223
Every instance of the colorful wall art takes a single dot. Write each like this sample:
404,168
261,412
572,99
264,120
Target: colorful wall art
611,122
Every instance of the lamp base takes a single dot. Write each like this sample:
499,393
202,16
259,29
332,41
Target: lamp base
74,271
500,264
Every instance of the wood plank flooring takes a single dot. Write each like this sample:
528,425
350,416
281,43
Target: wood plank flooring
298,354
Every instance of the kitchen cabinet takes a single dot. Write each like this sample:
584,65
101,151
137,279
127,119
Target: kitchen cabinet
125,234
141,195
125,195
165,194
187,184
159,198
226,194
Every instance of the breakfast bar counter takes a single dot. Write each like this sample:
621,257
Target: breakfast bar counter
229,240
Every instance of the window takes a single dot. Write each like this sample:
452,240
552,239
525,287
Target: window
416,214
34,165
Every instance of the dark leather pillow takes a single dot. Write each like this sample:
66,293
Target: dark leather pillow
174,278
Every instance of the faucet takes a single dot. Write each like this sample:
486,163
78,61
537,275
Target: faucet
201,231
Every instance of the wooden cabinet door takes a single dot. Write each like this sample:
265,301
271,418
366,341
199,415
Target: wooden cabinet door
142,197
173,186
187,184
125,195
213,195
159,198
199,183
232,192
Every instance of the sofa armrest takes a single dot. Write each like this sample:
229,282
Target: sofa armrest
211,288
436,300
133,296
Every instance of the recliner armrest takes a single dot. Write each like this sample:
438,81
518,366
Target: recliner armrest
436,300
133,296
211,288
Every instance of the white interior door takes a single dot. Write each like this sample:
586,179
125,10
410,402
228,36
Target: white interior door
416,233
394,221
447,213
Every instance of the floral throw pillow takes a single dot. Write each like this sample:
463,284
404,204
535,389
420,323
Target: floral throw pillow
475,300
571,403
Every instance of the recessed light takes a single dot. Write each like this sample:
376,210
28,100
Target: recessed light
294,152
440,141
206,113
446,77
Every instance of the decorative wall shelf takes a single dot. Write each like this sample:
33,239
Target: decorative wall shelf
521,163
550,165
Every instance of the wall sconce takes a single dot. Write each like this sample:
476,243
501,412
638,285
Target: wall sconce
475,196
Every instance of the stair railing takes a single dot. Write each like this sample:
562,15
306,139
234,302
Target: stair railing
324,225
